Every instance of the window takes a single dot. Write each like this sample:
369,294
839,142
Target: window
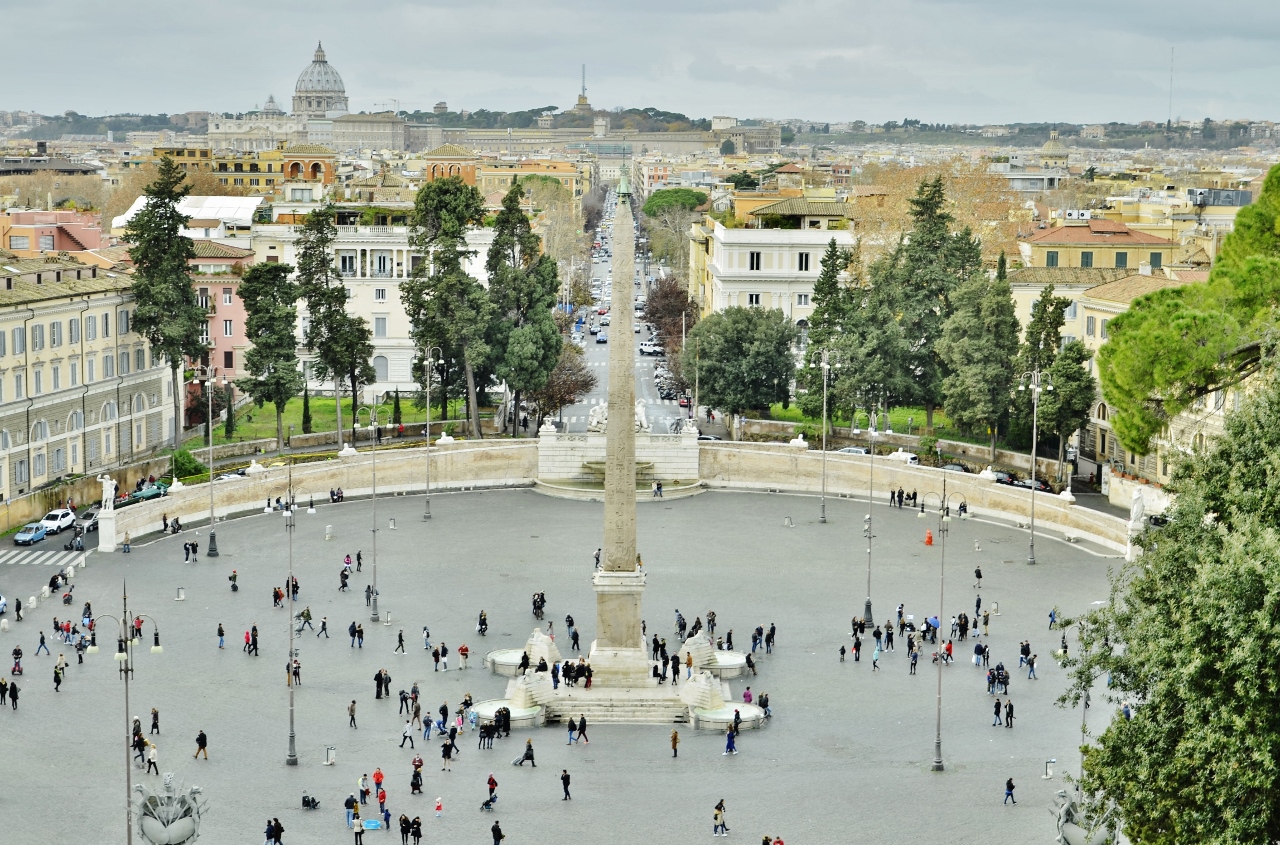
17,386
46,242
123,322
1157,261
106,324
4,440
59,460
1089,326
75,422
1051,258
56,372
228,360
238,181
139,403
73,330
19,242
109,411
55,333
106,441
40,431
227,328
74,369
89,373
1104,329
380,368
803,262
139,360
90,328
108,366
253,183
379,294
226,296
379,326
754,260
37,337
20,468
39,381
75,454
2,344
124,363
753,299
1070,312
1086,259
347,265
1122,260
37,464
802,299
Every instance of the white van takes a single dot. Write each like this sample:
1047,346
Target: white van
908,458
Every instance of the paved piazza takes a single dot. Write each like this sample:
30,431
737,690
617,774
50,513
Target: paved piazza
846,756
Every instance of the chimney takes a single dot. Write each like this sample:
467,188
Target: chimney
1144,269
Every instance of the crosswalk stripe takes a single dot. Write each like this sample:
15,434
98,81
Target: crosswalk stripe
45,558
10,557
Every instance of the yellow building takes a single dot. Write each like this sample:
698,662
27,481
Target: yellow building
494,176
1095,243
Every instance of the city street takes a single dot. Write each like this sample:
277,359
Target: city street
847,748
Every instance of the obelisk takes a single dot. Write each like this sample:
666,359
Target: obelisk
618,657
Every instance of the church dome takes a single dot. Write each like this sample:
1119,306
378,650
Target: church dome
319,91
320,77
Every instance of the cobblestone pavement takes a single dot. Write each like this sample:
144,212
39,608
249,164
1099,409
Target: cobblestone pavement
847,754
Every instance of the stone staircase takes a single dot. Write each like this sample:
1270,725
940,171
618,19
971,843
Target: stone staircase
634,706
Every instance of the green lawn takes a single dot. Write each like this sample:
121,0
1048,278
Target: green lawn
900,419
254,423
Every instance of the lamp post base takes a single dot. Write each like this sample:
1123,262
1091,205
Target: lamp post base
292,759
213,543
373,617
866,612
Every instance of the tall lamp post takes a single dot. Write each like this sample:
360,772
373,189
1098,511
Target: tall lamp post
290,506
826,366
208,375
871,475
429,363
375,419
1039,382
944,528
125,641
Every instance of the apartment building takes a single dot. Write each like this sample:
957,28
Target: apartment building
31,233
1087,243
79,389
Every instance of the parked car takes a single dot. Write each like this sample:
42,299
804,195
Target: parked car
955,467
1037,484
636,328
908,458
4,604
684,401
88,519
602,338
151,490
31,533
650,348
708,437
55,521
852,450
1003,477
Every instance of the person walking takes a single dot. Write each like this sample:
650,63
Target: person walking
498,835
528,754
253,640
493,785
446,754
564,782
915,656
351,713
151,759
202,746
368,595
998,711
675,743
582,728
1053,619
360,636
399,642
573,729
324,627
875,658
1008,792
730,742
13,694
1031,668
155,721
407,734
977,578
43,645
222,636
1008,713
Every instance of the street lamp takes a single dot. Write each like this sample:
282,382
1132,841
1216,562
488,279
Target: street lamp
208,375
1039,382
871,475
430,359
375,420
826,366
125,641
944,528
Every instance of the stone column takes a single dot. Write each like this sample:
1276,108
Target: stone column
617,656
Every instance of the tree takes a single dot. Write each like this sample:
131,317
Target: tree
446,306
1177,345
269,297
570,379
727,147
685,198
229,427
1065,409
396,416
742,358
671,311
832,302
167,314
1189,639
523,282
979,345
743,181
341,342
306,409
1040,345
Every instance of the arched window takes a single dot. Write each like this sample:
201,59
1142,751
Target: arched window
5,443
40,431
380,367
295,169
109,411
139,403
1102,410
317,170
75,421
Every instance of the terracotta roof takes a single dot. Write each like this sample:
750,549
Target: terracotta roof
450,151
1109,232
788,168
1189,276
213,249
204,223
798,206
1132,287
308,150
868,191
1066,275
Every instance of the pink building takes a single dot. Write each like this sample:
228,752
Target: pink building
216,276
29,233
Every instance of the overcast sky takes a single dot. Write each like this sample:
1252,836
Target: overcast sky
954,61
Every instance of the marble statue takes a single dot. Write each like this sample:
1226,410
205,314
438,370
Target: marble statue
642,417
597,417
1073,826
170,817
108,492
